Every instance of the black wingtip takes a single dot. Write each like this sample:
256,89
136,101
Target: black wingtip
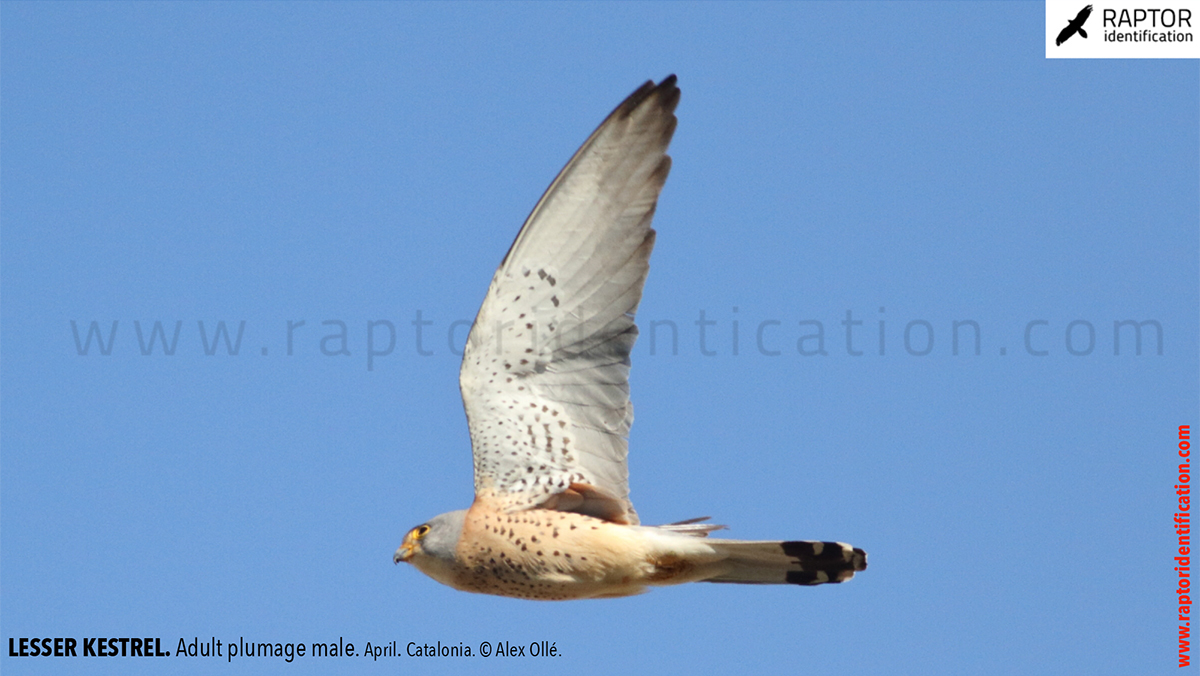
668,82
666,91
669,91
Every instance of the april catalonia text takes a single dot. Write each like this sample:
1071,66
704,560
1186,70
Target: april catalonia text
485,649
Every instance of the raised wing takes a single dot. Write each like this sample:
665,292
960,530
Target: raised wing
545,373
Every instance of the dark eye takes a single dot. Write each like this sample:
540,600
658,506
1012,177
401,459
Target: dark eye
422,530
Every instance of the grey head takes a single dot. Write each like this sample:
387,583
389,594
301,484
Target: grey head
431,546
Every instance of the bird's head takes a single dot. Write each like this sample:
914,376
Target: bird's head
431,546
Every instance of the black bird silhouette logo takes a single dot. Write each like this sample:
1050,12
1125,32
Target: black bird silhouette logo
1076,26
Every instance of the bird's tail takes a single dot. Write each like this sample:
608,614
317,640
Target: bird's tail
797,562
1082,33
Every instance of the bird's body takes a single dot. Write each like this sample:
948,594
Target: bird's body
546,554
552,555
545,385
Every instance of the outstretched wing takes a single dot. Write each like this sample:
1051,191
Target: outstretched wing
545,373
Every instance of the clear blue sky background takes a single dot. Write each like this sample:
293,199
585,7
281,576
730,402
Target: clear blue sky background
267,163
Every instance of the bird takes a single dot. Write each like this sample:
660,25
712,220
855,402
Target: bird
545,386
1075,26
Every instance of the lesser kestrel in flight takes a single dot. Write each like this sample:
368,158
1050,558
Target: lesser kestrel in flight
545,384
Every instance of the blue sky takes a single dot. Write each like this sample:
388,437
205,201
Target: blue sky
911,164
